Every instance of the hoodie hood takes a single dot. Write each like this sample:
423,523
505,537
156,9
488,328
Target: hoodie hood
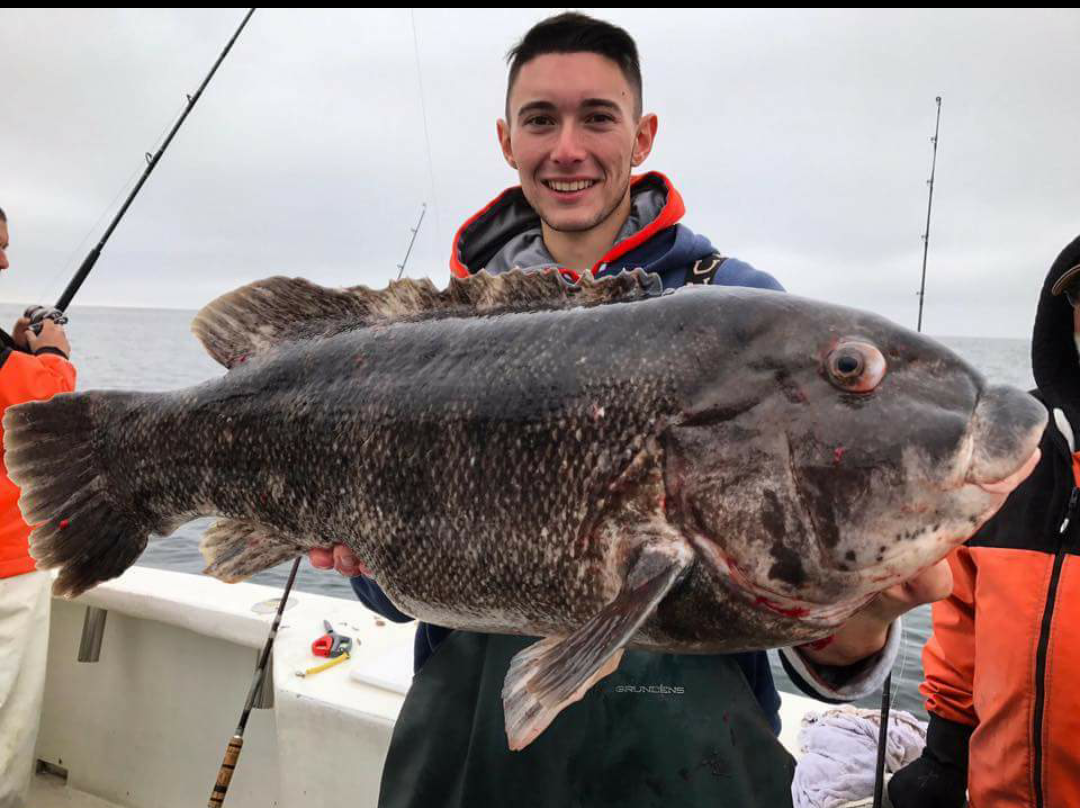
507,234
1054,358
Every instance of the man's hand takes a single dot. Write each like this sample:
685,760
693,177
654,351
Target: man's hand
866,632
18,333
340,558
51,336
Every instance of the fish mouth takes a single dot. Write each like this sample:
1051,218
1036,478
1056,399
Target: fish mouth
1008,484
1006,429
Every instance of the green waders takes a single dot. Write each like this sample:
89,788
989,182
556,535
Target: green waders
662,730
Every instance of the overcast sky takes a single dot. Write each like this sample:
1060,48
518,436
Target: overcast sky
800,141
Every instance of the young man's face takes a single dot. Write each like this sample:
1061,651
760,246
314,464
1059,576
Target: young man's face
3,244
573,138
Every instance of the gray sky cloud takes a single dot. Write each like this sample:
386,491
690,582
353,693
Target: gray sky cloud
800,141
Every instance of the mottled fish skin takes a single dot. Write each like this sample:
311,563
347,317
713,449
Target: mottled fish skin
473,510
502,472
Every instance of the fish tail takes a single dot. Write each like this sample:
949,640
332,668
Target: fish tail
78,526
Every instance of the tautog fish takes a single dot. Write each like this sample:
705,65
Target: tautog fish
599,465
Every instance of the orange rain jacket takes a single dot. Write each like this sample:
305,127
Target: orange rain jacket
24,377
1003,665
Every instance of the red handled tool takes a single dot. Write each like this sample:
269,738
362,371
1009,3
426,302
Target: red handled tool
331,644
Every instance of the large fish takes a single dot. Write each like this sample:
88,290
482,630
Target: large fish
600,465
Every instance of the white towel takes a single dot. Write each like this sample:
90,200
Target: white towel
839,754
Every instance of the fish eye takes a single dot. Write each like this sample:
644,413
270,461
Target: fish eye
857,367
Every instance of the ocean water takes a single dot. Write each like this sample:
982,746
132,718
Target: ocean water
153,349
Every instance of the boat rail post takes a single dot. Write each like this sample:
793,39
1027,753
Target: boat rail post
92,632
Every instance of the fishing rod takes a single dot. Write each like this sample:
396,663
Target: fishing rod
415,230
929,205
883,741
886,691
236,742
37,314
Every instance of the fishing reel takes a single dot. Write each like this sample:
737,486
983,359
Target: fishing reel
37,315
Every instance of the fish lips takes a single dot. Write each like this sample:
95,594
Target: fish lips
1009,484
1006,430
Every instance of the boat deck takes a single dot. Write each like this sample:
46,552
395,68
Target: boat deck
147,724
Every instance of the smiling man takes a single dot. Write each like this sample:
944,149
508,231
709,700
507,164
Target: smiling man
662,729
574,131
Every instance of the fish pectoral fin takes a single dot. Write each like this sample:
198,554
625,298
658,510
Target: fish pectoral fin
552,674
235,549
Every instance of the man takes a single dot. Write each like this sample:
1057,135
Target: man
32,367
1004,658
574,131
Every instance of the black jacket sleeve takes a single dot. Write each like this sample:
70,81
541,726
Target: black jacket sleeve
938,779
375,599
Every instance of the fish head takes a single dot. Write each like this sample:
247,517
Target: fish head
832,454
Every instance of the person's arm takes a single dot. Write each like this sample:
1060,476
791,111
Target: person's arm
40,374
938,779
855,661
371,595
840,684
736,272
367,591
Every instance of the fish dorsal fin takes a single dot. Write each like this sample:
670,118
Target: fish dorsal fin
255,318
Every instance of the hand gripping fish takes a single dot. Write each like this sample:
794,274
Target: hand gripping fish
599,465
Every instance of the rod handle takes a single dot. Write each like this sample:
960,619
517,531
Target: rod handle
228,765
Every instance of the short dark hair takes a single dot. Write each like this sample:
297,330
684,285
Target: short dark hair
3,216
572,32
